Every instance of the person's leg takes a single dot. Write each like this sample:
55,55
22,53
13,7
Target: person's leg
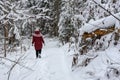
39,55
37,52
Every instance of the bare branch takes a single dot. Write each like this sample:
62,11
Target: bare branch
106,10
13,67
17,63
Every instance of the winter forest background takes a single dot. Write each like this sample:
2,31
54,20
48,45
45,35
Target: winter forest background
89,28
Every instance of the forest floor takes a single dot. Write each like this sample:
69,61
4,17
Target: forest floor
51,66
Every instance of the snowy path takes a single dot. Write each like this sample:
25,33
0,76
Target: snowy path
51,66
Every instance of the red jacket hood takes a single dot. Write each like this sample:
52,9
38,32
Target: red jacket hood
37,34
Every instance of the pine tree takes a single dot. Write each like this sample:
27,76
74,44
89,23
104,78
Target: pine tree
71,19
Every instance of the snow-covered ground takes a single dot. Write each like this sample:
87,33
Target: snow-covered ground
55,64
52,65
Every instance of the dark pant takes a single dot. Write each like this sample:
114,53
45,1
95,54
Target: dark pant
38,53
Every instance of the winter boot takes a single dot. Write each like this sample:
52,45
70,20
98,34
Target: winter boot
39,55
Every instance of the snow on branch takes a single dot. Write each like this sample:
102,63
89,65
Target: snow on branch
101,23
113,20
106,10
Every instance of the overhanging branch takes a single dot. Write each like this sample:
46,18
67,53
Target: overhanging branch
106,10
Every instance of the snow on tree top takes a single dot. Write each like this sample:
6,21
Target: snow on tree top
101,23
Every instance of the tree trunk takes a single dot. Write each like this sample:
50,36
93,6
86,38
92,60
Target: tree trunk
6,37
4,42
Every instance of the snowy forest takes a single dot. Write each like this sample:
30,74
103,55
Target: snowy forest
82,39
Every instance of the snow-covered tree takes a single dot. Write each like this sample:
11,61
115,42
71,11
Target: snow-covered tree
55,15
23,16
70,19
90,12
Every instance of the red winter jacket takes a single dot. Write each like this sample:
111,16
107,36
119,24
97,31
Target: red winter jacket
37,40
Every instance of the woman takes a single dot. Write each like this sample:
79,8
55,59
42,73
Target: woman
38,41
